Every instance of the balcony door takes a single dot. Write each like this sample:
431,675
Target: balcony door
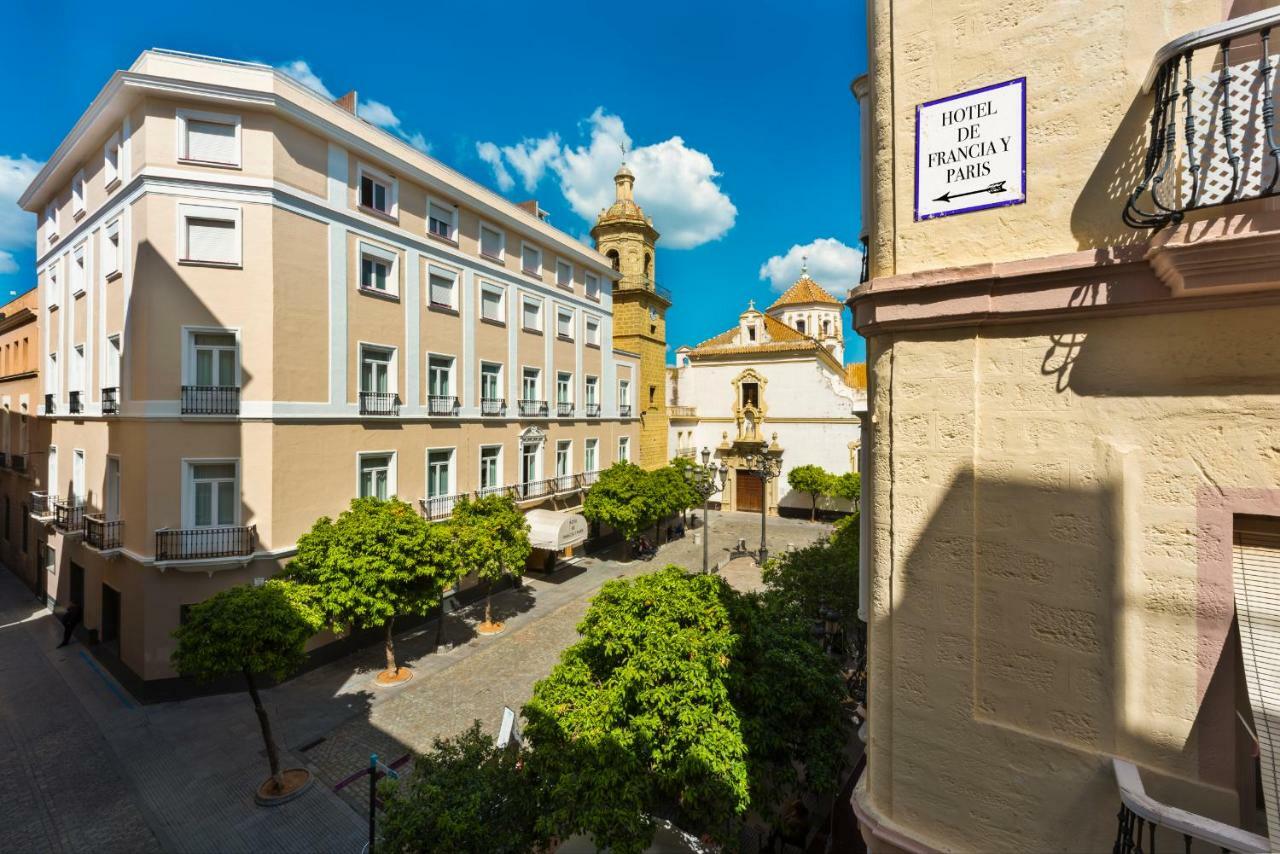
111,490
490,382
215,359
529,463
51,485
529,384
77,477
563,453
215,495
438,465
375,371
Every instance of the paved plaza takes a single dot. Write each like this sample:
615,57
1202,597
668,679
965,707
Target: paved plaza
85,767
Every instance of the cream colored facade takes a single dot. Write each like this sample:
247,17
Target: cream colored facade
1071,421
23,438
256,306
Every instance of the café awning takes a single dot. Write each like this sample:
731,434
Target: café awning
555,530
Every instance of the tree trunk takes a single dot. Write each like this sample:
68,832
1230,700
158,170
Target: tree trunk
391,646
440,626
813,514
273,754
488,604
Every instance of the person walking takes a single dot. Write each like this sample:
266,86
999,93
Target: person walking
70,620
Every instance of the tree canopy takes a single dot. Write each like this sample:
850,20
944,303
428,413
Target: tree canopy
848,486
825,574
490,537
623,499
815,480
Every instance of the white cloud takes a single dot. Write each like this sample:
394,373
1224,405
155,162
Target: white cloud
17,227
373,112
491,154
300,70
832,264
675,184
8,265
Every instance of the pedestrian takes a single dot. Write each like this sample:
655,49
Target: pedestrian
70,620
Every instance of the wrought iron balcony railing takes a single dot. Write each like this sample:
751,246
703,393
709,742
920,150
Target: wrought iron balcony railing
624,410
41,504
67,514
210,400
493,490
677,411
18,462
588,477
438,507
563,483
204,543
493,406
101,534
1212,136
564,408
74,403
1142,814
593,410
49,406
533,489
442,404
533,408
379,403
111,400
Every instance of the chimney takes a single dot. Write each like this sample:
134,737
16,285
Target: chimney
532,207
347,102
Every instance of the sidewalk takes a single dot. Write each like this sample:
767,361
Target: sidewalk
187,770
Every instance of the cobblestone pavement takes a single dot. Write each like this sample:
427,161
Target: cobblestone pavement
85,768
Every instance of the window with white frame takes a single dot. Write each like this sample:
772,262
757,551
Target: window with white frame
53,296
564,457
490,381
442,220
442,287
564,323
111,370
593,332
439,472
377,191
593,384
214,359
111,490
76,380
215,494
624,392
52,380
51,484
590,453
529,383
209,235
564,274
591,284
624,449
490,466
564,387
209,137
77,194
376,374
531,259
51,222
491,242
377,269
111,160
377,476
77,271
531,314
78,492
440,376
111,249
491,298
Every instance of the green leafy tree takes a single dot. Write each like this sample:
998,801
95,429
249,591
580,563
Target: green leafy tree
248,630
847,486
377,560
686,467
623,498
670,492
801,582
491,539
815,480
466,794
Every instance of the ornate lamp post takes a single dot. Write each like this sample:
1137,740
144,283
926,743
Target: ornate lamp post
765,465
706,480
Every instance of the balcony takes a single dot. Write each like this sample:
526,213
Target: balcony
101,534
682,411
494,490
68,515
564,409
1140,812
74,404
173,544
210,400
587,478
593,410
111,400
493,406
686,453
18,462
49,407
624,410
533,408
1212,137
41,504
533,490
442,404
379,403
564,483
439,507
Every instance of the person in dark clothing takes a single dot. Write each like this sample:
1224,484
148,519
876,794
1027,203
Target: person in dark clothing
70,620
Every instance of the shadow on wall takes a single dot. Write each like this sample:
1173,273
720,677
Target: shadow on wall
1096,217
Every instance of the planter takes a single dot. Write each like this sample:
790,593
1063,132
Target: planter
393,677
296,781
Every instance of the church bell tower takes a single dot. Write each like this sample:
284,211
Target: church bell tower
627,237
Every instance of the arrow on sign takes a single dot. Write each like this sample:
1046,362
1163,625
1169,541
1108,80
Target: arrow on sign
997,187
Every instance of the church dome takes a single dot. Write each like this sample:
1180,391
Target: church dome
624,207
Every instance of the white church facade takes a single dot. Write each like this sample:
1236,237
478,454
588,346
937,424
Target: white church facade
777,376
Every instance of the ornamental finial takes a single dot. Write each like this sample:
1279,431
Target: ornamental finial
804,266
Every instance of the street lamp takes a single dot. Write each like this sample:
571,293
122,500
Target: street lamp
706,480
766,466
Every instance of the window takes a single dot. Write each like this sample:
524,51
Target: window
751,333
111,490
490,381
51,280
751,394
376,476
564,324
215,494
439,375
377,269
52,483
491,242
441,286
800,326
589,453
624,449
111,160
77,194
111,370
490,466
531,259
529,383
491,303
564,387
77,368
530,460
77,476
51,375
624,392
593,332
214,357
442,220
591,284
564,453
439,467
51,222
375,370
209,235
564,274
209,137
377,190
531,314
77,271
111,249
592,384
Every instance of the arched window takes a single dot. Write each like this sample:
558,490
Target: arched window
648,266
613,258
826,327
800,325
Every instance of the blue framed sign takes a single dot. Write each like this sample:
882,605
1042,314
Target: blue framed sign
971,151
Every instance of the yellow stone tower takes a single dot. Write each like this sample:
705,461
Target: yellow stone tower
624,234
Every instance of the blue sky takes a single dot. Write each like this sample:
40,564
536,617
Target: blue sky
739,118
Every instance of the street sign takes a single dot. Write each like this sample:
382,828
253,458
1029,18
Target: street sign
971,151
509,732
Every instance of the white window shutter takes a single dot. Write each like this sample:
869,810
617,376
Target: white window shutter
211,142
211,240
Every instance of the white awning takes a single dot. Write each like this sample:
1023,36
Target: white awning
555,530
